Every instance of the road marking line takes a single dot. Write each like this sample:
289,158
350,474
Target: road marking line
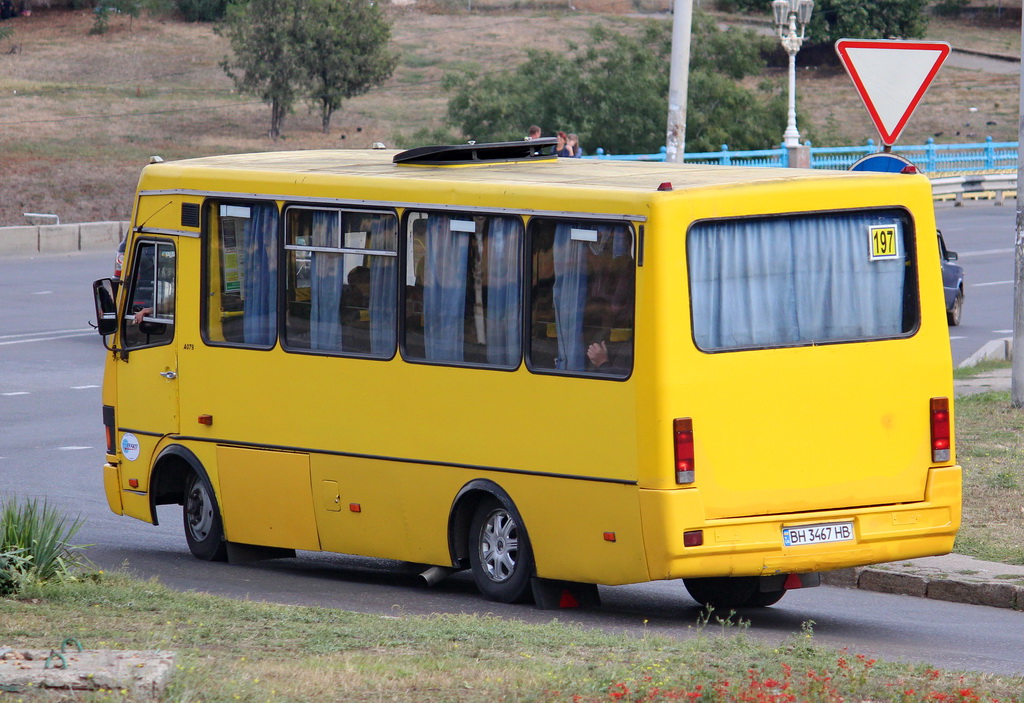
82,388
952,338
38,334
984,252
71,449
43,292
993,283
47,339
1002,331
16,393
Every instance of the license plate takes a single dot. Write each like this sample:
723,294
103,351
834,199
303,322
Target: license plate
817,534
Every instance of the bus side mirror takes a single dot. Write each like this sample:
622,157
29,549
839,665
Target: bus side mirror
104,292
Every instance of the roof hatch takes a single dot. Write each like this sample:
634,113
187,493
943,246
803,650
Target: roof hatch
465,154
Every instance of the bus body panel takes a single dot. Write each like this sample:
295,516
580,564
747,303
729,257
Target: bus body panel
399,510
367,456
266,498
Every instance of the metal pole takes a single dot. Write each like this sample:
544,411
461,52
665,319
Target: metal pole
791,136
1017,371
678,81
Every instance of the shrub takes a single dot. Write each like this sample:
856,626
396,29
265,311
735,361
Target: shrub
203,10
35,544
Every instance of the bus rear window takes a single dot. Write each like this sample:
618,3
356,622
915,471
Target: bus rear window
799,280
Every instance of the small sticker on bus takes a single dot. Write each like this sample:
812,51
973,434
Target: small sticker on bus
129,446
583,235
884,242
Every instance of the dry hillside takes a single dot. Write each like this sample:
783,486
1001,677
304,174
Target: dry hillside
80,113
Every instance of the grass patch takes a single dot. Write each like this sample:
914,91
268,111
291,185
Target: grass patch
231,650
981,367
989,440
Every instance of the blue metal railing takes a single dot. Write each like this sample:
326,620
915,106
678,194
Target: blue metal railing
930,158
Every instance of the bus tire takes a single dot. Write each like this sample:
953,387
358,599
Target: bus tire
204,530
499,553
729,592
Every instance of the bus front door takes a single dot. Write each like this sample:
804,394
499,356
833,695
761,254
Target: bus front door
147,371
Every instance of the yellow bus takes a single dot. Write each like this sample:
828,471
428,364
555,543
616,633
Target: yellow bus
555,373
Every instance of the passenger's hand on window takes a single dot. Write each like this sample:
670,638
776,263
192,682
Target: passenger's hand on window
598,354
141,314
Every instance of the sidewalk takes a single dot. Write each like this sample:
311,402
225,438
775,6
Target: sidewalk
952,577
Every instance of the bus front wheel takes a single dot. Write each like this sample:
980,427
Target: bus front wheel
728,592
204,531
500,554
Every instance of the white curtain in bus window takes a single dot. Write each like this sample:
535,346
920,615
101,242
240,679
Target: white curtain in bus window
801,280
342,281
582,297
150,318
243,281
463,283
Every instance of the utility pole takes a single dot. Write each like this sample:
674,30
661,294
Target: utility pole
1017,371
678,81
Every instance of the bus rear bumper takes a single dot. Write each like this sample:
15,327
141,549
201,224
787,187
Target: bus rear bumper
753,546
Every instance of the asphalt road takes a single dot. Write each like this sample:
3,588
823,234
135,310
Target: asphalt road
983,235
51,447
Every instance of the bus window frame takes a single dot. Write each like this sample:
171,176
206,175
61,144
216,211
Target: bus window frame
909,243
208,205
283,282
635,229
452,211
128,316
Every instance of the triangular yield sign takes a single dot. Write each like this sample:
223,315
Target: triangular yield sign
891,77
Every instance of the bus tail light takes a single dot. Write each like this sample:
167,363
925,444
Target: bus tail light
941,442
109,429
682,436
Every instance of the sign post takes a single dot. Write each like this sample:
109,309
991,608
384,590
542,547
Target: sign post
891,77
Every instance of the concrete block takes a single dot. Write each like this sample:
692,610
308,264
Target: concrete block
143,673
19,240
893,582
56,239
996,595
99,235
842,578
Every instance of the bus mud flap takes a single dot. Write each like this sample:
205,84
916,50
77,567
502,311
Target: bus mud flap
549,594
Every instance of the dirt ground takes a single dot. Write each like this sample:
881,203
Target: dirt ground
80,114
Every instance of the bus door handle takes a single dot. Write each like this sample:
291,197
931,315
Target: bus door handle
169,375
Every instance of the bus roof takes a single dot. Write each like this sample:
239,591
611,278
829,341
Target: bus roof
635,176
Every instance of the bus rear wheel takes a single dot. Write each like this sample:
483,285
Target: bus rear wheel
729,592
204,531
500,553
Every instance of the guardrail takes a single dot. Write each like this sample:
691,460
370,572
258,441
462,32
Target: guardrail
996,184
930,158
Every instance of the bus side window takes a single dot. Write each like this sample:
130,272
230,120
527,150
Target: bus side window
581,297
463,283
340,289
149,314
241,273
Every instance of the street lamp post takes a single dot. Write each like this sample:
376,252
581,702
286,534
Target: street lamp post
789,15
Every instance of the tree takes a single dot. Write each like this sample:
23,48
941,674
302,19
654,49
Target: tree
863,19
266,60
341,62
867,19
614,92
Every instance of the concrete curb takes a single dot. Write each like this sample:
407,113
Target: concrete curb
996,349
953,577
60,239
